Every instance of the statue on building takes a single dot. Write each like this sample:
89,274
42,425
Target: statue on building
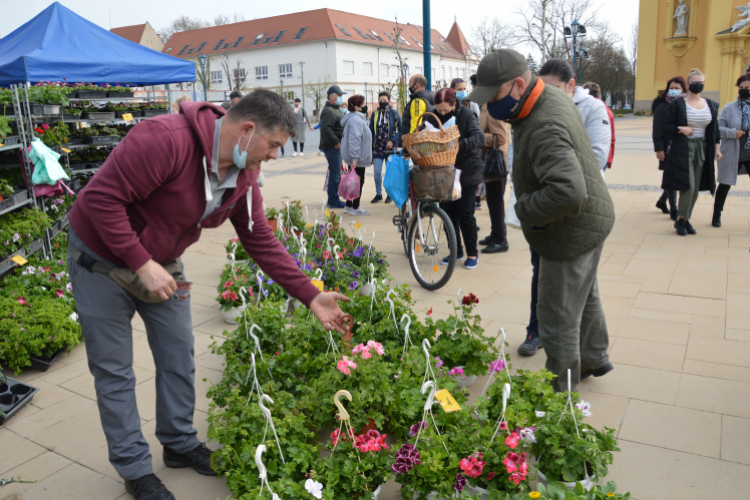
744,11
681,14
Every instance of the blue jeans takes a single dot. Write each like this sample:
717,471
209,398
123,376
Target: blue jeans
333,155
533,328
378,164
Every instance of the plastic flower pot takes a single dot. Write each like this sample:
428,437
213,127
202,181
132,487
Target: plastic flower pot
274,223
473,490
11,139
42,363
13,397
433,496
120,94
377,492
588,483
232,315
365,290
463,380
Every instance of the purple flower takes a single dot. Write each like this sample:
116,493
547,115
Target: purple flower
460,482
69,287
346,265
406,458
358,252
415,428
270,282
265,292
356,274
438,362
61,262
497,366
15,237
353,285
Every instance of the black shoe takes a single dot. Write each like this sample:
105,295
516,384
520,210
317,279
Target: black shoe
495,248
377,198
673,214
148,487
716,221
599,372
388,199
690,229
680,226
662,205
199,458
486,241
530,346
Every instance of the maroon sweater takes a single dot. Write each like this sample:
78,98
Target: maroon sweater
147,200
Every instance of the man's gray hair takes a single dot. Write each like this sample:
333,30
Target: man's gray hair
267,109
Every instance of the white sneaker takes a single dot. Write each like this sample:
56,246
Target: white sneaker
302,154
359,211
321,153
347,210
295,154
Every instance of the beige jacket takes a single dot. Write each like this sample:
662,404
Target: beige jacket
499,129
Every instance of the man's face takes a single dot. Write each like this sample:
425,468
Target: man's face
414,87
383,99
264,145
332,98
515,88
235,99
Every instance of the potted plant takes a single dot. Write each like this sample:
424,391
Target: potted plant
272,215
230,293
5,130
21,228
5,189
426,471
291,214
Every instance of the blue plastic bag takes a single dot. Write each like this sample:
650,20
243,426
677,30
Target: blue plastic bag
396,182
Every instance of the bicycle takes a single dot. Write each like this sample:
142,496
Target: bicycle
426,232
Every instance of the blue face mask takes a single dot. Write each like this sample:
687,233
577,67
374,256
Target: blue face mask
339,101
502,109
240,159
461,95
674,92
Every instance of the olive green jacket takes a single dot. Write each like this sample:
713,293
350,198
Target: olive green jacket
331,129
563,203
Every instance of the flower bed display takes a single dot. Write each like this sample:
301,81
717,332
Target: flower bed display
20,229
283,370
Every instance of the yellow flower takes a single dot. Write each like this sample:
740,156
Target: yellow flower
535,494
610,494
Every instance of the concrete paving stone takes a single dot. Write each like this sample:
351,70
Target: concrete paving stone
709,285
735,434
216,327
49,394
202,314
618,278
615,289
77,354
74,482
202,341
17,450
738,283
726,251
739,335
738,302
704,263
204,379
669,303
714,395
657,256
639,383
738,265
647,268
647,354
619,258
185,483
738,320
204,300
717,371
617,305
83,385
66,372
611,268
649,473
728,352
142,355
607,410
648,329
707,326
48,417
74,438
674,428
36,469
657,283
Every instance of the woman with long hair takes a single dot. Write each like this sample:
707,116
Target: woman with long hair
676,87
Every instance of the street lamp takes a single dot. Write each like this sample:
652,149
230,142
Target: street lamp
203,59
573,31
582,54
617,78
365,93
406,71
282,89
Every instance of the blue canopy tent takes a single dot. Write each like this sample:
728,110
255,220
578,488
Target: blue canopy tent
58,45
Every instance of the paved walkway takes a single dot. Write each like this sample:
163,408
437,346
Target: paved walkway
678,310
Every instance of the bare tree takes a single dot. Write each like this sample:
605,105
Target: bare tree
491,35
204,77
221,20
633,47
605,53
182,23
235,76
317,91
401,91
536,25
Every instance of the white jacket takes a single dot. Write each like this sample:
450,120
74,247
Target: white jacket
594,114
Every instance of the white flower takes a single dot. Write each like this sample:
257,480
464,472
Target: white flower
585,408
527,434
314,488
540,414
275,497
73,317
69,287
44,288
30,270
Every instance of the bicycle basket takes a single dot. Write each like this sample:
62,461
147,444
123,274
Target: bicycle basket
434,184
430,149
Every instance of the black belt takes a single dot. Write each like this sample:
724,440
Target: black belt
87,262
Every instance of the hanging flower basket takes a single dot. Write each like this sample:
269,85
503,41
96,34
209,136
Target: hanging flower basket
232,315
588,483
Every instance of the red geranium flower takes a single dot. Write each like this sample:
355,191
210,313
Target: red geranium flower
470,299
22,301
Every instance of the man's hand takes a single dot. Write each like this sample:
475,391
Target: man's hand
389,145
311,128
157,280
739,133
325,307
338,146
660,155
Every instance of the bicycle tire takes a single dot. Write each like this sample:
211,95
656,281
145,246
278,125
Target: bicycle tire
433,213
406,215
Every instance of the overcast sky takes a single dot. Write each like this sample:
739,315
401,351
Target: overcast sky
621,14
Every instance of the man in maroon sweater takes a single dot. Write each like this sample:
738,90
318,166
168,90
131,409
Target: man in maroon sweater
169,178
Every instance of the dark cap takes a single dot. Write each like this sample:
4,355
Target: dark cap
494,70
335,89
235,93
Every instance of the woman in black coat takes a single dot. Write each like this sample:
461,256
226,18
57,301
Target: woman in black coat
469,162
694,148
676,87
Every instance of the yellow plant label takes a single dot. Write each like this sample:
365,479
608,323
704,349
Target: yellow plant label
66,150
319,285
128,117
447,401
358,225
19,260
1,144
328,213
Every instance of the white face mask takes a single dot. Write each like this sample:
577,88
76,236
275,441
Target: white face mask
240,159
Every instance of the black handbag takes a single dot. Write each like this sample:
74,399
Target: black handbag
494,168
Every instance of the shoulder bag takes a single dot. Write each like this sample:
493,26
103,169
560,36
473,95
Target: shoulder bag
494,166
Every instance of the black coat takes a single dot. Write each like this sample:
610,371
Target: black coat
470,144
660,136
676,165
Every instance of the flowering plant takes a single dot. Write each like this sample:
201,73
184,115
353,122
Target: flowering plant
427,467
230,284
19,229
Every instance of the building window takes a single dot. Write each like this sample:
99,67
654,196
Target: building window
343,30
383,69
442,72
348,67
217,77
450,72
433,75
218,45
394,70
419,70
200,47
349,92
239,74
376,35
261,72
257,39
367,68
235,43
300,33
285,70
288,95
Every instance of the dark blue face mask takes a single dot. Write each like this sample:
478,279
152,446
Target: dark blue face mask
503,109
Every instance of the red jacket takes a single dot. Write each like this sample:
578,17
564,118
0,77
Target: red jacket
147,200
612,148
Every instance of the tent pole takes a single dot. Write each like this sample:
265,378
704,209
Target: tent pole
169,97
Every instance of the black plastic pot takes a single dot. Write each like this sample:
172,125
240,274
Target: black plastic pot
36,108
76,140
71,116
102,139
11,139
148,113
13,396
135,113
50,109
92,94
79,166
99,115
120,94
42,363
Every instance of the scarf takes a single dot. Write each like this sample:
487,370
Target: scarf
296,108
669,98
745,107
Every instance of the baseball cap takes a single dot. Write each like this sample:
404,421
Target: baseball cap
494,70
335,89
235,93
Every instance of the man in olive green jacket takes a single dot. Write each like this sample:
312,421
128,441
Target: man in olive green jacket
565,210
331,132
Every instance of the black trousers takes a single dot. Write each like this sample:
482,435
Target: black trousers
672,196
361,174
301,146
496,206
723,190
461,214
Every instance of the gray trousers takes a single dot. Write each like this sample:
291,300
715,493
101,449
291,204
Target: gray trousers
571,319
105,311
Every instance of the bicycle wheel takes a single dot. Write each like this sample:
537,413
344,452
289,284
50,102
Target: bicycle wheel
431,238
406,214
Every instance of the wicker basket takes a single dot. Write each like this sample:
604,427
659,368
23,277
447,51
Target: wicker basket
433,149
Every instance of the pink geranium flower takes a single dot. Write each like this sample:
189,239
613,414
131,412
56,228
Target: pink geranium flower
512,440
